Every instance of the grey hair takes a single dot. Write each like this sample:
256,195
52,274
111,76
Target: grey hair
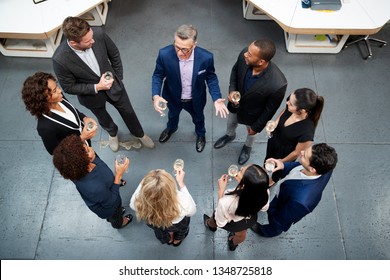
187,31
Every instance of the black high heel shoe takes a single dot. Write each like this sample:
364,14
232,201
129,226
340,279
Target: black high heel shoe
178,244
231,245
129,218
205,219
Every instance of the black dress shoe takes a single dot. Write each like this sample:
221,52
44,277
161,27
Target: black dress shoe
223,141
166,134
200,143
245,155
257,229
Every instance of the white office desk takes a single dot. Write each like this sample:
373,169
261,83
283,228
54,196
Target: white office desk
34,30
356,17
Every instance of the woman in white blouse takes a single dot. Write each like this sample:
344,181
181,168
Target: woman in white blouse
237,208
163,206
56,117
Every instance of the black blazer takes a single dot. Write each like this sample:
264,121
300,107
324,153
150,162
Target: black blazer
260,103
53,128
75,76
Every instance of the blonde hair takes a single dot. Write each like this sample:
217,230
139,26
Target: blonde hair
157,203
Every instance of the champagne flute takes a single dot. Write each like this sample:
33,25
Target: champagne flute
236,97
269,167
178,165
121,159
108,75
163,106
269,128
233,171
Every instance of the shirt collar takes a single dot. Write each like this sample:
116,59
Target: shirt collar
75,50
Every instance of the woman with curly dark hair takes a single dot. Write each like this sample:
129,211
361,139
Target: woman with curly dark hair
57,118
94,180
237,208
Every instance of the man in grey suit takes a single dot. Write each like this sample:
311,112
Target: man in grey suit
88,64
262,87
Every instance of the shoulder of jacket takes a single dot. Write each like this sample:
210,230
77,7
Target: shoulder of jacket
203,51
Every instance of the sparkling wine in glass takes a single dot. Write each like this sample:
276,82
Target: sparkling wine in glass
236,97
233,171
163,106
269,128
178,165
121,159
90,126
269,167
108,75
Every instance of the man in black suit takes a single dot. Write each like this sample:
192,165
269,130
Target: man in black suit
81,64
262,87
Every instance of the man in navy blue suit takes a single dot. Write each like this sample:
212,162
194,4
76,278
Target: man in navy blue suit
300,188
182,71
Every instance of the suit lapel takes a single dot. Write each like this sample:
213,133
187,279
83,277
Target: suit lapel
67,104
75,59
195,70
62,121
97,50
242,80
175,63
260,82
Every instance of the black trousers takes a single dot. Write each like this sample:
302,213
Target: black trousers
116,220
180,230
125,109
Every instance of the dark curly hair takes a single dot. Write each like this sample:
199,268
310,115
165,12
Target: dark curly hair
70,158
35,93
252,191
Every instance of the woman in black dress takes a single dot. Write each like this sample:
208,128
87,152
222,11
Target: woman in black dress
295,125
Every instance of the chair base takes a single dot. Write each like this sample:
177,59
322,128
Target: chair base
366,39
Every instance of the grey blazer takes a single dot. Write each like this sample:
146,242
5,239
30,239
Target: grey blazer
75,76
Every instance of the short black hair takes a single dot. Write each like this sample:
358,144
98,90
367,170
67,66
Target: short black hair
267,48
323,158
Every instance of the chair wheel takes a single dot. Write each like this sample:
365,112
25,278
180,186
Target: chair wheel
382,45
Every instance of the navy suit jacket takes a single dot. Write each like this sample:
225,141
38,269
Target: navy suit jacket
167,67
296,198
77,78
262,100
98,190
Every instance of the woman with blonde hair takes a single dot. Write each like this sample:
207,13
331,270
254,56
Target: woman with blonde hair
164,208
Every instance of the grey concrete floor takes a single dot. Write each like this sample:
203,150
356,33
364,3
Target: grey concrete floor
43,217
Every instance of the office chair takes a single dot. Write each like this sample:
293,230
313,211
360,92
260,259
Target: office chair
367,39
